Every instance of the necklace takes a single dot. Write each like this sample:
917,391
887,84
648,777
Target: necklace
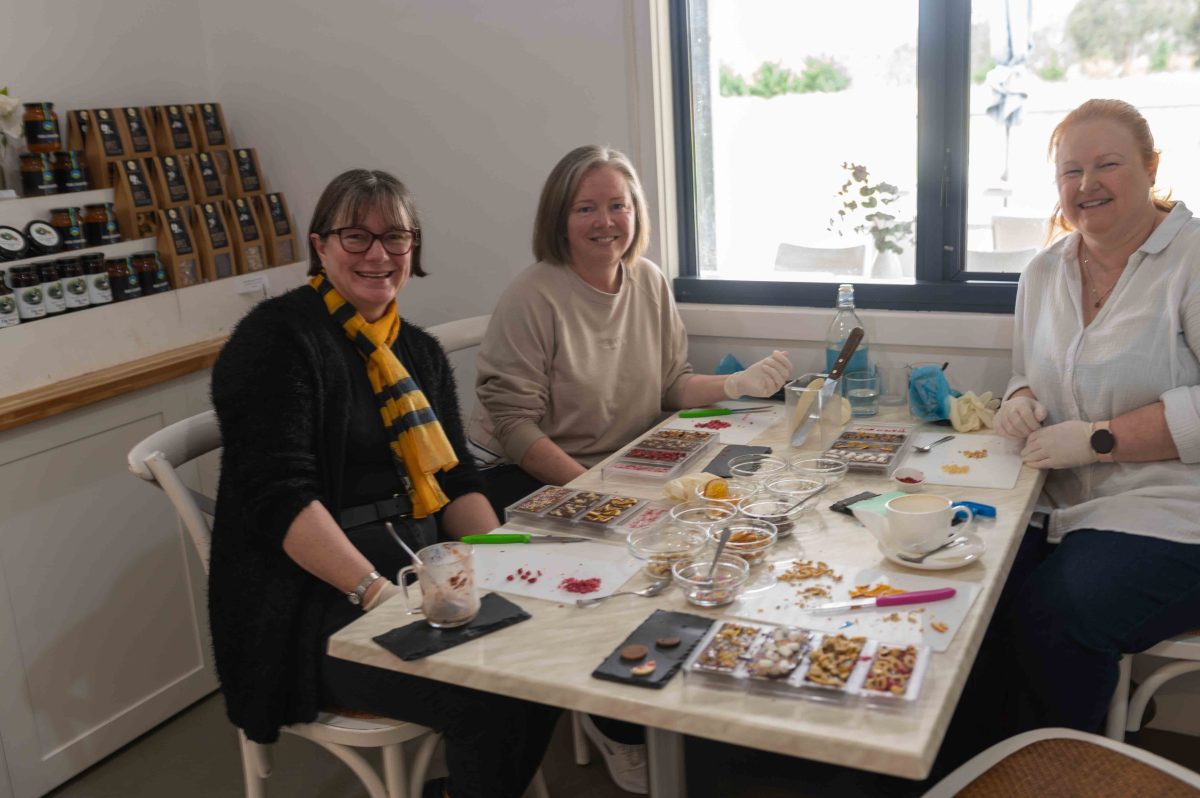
1097,299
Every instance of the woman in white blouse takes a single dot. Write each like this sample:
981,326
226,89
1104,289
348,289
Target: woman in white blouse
1105,394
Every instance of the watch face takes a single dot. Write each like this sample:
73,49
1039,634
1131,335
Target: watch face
1103,441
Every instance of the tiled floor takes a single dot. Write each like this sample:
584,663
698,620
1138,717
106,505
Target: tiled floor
195,755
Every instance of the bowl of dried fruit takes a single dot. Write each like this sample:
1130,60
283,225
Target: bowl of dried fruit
728,579
729,491
663,545
748,539
908,479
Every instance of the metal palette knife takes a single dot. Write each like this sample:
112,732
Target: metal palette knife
828,387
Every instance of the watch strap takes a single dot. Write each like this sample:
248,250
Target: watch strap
357,595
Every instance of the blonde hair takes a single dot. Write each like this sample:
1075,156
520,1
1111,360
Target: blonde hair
1124,114
550,224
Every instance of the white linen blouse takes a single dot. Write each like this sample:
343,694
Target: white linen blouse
1143,346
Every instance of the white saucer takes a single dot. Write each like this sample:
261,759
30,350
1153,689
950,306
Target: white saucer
956,557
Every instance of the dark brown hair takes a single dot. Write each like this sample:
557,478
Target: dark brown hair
550,225
352,195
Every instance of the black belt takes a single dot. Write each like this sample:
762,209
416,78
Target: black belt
375,511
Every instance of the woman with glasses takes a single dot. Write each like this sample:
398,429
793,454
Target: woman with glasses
584,352
337,417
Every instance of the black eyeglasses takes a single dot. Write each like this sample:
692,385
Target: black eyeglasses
356,240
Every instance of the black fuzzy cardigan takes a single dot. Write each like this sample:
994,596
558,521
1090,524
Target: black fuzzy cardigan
281,389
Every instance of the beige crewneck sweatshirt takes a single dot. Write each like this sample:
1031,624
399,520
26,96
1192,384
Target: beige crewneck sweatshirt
589,369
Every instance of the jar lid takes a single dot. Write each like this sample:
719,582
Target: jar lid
43,238
38,105
101,205
12,243
41,156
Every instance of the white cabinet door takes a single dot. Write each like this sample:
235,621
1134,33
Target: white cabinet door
103,627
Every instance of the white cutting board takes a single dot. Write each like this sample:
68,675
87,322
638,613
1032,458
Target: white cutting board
495,563
743,427
772,601
999,469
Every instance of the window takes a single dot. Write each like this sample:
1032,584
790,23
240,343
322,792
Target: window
901,145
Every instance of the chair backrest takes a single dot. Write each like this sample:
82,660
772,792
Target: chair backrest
1019,232
156,459
838,260
460,334
1010,261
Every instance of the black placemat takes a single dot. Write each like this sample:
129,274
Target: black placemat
687,627
719,465
419,639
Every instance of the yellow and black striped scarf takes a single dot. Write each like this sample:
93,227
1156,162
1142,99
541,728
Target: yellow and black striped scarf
419,439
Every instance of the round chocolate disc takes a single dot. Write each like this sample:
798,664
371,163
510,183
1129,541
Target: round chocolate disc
667,642
633,652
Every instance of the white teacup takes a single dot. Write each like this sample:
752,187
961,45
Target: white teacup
920,522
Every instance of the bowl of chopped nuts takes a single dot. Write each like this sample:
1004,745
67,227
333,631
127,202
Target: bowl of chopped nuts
702,514
663,545
726,583
748,539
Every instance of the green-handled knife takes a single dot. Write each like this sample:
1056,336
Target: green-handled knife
519,537
704,412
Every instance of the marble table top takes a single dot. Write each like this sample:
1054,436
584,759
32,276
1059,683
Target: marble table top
550,657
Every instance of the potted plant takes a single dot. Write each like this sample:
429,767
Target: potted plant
866,209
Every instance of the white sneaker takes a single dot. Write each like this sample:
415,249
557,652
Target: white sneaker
626,763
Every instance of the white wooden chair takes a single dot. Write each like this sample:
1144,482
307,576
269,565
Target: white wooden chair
1066,764
1011,261
849,260
155,460
1019,232
1125,712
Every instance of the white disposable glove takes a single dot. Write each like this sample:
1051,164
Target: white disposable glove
1019,416
762,379
1063,445
384,593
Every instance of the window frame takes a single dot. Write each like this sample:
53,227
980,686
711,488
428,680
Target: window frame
943,108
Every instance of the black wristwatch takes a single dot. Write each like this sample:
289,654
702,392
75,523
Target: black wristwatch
1103,441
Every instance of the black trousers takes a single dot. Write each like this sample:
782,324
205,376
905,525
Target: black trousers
494,744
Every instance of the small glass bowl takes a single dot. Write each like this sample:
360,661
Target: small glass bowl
825,469
748,539
735,491
664,545
793,488
702,514
756,467
777,510
729,578
908,479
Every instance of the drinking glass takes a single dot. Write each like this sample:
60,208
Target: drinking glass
862,389
893,385
449,597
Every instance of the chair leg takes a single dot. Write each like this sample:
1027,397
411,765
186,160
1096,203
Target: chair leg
1141,696
583,754
537,787
420,765
255,766
1118,706
394,777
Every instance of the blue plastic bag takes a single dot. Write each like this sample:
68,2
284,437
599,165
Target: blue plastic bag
929,393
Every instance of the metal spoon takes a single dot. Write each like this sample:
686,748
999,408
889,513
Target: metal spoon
652,589
928,446
712,569
920,558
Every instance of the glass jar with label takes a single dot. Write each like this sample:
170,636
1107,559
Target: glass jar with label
122,279
13,244
52,289
9,317
27,286
99,290
100,224
42,238
41,128
151,273
68,224
70,171
74,282
37,178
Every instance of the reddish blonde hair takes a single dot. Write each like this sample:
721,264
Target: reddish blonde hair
1124,114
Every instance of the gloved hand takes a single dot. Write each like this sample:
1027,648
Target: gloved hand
970,412
762,379
384,593
1020,416
1063,445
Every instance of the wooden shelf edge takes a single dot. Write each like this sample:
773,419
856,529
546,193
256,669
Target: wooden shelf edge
77,392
